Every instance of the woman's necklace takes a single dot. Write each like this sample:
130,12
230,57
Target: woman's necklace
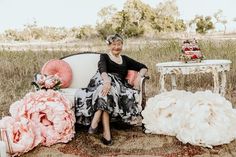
117,59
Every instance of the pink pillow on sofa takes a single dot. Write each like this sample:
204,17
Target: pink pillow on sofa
60,68
131,76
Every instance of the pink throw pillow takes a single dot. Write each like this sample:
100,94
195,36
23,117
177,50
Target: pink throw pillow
131,76
60,68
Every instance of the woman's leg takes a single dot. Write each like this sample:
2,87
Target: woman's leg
96,119
106,126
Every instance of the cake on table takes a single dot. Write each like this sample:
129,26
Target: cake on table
190,52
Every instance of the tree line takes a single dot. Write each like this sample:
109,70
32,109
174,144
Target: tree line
136,19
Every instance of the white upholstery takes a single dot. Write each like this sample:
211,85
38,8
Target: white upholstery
69,93
83,66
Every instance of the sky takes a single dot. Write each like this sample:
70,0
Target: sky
14,14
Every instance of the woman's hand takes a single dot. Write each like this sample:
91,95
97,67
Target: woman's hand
106,88
106,84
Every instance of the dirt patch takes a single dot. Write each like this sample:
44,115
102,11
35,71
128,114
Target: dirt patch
128,141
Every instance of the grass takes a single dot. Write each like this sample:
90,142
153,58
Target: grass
17,68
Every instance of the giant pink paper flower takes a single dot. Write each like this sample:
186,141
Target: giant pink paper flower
50,111
22,133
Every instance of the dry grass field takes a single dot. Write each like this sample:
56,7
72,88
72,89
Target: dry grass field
17,70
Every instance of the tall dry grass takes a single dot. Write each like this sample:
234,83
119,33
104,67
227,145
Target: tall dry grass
17,68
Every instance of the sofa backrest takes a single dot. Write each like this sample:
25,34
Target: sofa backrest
84,66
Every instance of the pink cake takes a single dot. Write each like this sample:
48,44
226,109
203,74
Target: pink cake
190,52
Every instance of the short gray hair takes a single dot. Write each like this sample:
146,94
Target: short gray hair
112,38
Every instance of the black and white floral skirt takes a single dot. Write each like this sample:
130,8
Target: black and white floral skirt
121,102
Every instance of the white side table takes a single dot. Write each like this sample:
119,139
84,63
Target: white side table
218,69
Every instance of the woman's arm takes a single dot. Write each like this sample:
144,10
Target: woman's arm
135,65
102,64
106,84
102,67
105,78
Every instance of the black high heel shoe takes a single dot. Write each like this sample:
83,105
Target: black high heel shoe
106,142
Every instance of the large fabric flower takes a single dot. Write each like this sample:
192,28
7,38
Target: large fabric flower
211,121
202,118
50,111
22,134
164,112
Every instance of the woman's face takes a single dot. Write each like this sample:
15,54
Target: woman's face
116,47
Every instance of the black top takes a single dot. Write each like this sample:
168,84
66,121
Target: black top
105,64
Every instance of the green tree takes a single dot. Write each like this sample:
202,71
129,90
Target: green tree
105,29
138,11
123,25
125,22
166,18
138,18
86,31
203,24
104,25
180,25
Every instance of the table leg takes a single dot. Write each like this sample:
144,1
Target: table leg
173,81
223,83
162,83
216,81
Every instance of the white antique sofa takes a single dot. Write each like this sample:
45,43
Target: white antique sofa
84,65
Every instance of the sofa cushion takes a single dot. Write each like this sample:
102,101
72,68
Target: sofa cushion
59,68
131,77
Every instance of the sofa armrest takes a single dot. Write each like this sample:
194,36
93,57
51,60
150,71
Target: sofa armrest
142,98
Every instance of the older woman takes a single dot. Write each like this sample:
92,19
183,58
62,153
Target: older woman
108,93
